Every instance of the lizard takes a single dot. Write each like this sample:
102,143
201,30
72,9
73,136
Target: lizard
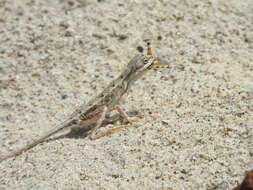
93,113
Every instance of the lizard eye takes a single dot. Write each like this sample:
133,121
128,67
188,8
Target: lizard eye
145,61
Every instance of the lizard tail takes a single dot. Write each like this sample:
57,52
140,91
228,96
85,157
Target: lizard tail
36,142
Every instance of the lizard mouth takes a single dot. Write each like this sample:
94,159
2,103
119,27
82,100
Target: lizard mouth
158,63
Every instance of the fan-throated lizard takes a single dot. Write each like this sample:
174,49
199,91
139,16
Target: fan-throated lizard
94,112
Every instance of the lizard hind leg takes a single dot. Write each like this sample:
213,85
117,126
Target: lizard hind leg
99,121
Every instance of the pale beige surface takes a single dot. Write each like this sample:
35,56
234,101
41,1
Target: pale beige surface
56,54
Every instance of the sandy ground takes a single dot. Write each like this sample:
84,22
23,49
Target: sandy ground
196,131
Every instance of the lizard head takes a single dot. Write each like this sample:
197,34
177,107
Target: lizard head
149,62
142,63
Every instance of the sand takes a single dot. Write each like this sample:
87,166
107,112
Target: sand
196,115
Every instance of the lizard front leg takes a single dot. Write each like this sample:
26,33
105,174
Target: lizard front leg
124,115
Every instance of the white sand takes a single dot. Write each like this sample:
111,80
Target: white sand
57,54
